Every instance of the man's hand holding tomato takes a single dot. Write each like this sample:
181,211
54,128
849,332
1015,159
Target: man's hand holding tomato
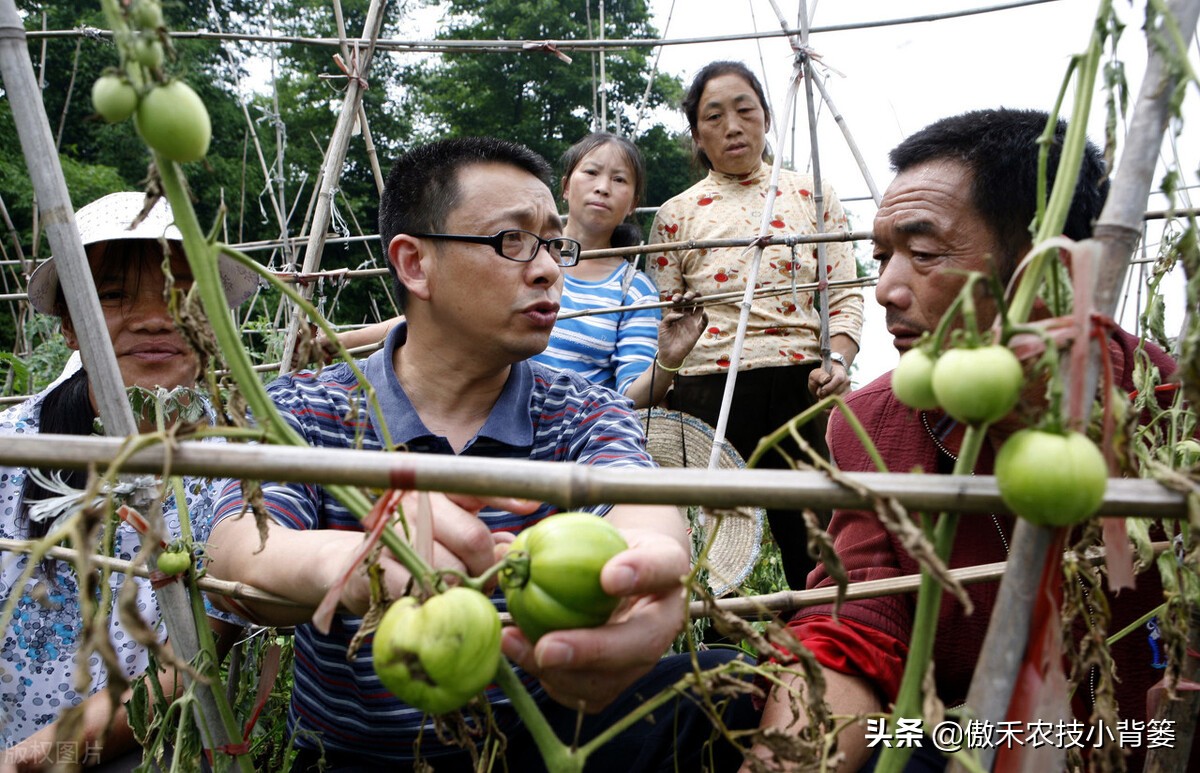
591,666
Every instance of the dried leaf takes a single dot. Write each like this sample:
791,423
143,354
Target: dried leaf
895,519
820,547
376,521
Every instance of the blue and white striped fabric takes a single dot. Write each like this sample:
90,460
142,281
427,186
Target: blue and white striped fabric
542,414
608,349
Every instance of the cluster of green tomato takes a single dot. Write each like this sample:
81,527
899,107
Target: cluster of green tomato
1048,478
168,114
438,655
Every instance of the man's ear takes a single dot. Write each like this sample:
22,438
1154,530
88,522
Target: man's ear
564,185
68,331
410,258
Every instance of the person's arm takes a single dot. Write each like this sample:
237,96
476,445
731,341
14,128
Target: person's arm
103,732
365,336
678,332
835,381
590,667
844,694
301,565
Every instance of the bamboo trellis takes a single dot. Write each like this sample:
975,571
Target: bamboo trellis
568,485
547,45
574,487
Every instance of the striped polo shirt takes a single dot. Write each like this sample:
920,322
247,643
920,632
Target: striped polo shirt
542,414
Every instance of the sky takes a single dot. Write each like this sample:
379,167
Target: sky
891,81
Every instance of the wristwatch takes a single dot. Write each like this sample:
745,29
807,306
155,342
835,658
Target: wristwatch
840,359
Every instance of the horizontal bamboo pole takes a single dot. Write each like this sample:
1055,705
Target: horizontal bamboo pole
566,485
760,607
237,590
585,46
748,607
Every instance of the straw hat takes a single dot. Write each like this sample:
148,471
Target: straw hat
108,219
678,439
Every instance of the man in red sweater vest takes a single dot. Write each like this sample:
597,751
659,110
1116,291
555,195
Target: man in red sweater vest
962,200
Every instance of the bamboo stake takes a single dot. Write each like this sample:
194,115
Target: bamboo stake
761,607
748,607
33,128
1118,228
854,151
800,47
331,171
262,160
1182,711
566,485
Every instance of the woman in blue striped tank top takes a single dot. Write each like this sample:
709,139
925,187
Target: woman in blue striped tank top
637,351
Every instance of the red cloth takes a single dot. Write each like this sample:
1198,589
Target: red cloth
870,639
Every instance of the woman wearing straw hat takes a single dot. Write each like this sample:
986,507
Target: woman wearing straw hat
779,374
39,670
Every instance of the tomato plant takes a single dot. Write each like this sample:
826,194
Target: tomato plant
912,380
1051,479
114,98
552,576
977,386
173,120
1187,452
174,562
440,654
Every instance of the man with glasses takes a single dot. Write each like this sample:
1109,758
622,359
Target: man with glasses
476,249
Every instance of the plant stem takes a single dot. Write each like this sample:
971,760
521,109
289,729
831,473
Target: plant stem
331,334
770,441
207,661
557,756
929,602
1068,168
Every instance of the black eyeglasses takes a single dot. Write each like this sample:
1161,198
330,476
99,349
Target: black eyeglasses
519,245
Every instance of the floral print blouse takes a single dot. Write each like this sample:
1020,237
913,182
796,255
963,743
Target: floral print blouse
39,673
781,331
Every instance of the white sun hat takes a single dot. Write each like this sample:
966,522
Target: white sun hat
109,219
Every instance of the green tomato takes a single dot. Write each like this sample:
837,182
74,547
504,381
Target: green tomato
173,120
556,583
912,380
977,386
148,52
440,654
114,98
146,14
1051,479
174,562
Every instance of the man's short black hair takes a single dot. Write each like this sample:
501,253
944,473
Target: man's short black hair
1000,147
422,187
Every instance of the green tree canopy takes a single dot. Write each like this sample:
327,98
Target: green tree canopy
535,98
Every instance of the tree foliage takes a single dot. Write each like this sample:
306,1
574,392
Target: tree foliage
293,95
535,98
